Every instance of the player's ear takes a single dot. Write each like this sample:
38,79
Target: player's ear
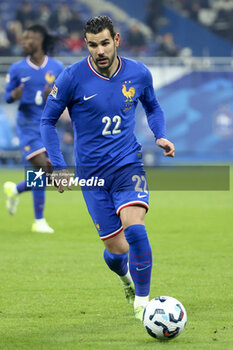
117,39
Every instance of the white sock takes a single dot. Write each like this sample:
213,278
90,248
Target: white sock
141,301
14,191
126,279
39,220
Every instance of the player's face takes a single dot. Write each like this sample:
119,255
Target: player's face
31,42
103,49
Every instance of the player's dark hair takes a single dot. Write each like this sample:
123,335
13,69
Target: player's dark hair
97,24
49,40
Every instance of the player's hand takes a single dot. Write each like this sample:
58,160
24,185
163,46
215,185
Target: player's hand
167,146
17,93
61,179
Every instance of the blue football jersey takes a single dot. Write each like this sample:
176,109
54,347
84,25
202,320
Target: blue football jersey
34,79
102,110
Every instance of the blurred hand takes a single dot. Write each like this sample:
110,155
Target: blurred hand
167,146
61,179
17,93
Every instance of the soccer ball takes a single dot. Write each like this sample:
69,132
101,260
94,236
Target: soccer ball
164,318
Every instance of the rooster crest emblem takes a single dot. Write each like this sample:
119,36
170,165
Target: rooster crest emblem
128,93
49,78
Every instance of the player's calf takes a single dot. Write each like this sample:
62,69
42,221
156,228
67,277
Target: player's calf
140,263
119,264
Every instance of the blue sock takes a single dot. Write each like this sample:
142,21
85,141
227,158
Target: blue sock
140,258
38,202
117,262
21,187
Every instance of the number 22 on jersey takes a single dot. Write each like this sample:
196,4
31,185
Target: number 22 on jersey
116,120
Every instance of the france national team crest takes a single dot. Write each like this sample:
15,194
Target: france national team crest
128,92
36,178
49,77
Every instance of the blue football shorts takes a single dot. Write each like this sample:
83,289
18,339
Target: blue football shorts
126,187
30,140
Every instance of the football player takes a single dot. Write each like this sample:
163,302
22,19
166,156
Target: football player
101,93
29,81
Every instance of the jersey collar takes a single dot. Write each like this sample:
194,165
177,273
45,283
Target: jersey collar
34,65
101,75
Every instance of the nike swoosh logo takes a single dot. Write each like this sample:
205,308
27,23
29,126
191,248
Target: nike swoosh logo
142,195
89,97
142,268
24,79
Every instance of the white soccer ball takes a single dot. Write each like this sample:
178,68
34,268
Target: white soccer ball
164,318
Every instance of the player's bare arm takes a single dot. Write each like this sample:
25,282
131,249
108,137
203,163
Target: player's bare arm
167,146
47,91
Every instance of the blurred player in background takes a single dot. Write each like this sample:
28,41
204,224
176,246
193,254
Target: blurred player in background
30,82
102,92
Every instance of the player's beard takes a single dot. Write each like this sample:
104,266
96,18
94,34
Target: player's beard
26,51
109,62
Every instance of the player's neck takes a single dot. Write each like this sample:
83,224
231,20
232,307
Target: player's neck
38,58
108,72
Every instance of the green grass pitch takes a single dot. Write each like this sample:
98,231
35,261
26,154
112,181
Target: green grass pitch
57,294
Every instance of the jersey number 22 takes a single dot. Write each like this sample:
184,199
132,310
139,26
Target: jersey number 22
108,122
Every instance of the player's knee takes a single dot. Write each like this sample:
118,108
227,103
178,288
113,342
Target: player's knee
42,161
48,167
135,233
39,160
132,215
117,244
